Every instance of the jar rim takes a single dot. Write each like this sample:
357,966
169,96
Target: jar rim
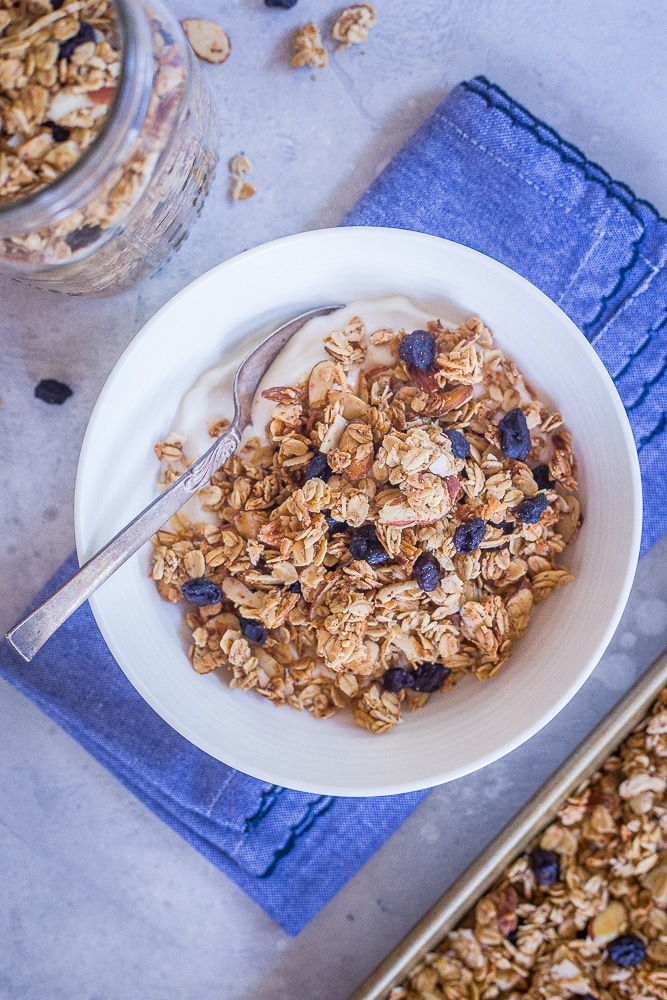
119,131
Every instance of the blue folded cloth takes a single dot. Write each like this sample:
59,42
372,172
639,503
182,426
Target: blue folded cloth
484,172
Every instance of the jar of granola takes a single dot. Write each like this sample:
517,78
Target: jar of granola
108,141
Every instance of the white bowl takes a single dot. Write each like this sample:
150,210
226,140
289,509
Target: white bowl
477,722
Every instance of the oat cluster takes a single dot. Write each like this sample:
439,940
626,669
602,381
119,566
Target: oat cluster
351,27
598,928
380,566
353,24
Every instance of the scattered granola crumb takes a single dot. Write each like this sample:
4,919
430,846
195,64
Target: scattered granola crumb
208,40
353,24
241,189
596,927
307,49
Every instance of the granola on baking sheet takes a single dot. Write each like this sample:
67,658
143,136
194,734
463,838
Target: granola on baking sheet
388,537
582,913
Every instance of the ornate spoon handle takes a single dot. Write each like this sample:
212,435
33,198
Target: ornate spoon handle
30,634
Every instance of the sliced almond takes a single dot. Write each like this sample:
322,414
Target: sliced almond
333,435
609,923
321,381
208,40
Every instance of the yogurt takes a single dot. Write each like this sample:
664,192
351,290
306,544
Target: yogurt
211,395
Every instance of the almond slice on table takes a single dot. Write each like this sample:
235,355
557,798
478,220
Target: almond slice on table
208,40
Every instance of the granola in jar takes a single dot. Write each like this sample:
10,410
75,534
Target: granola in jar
107,141
385,528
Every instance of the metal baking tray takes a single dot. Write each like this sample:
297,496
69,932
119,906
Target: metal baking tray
515,837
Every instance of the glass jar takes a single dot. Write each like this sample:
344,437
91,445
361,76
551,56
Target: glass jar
126,203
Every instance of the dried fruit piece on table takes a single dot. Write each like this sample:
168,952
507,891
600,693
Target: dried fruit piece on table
49,390
284,4
307,48
353,24
208,40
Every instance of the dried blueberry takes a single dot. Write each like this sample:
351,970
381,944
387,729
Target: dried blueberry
626,950
396,679
418,349
514,434
318,468
333,525
513,936
201,591
531,509
429,677
365,544
49,390
427,571
57,4
86,33
468,536
59,132
79,239
377,554
460,447
545,865
505,526
253,631
295,588
542,477
285,4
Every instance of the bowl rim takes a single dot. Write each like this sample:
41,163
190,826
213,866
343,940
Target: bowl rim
83,529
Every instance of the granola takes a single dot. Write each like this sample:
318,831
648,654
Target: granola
59,71
581,913
58,74
307,48
377,531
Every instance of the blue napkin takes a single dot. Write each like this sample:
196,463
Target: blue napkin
484,172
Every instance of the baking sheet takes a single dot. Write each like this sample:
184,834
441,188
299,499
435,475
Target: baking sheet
535,815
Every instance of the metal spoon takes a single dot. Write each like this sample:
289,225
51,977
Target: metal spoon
32,631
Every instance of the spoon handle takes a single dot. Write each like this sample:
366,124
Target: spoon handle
30,634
